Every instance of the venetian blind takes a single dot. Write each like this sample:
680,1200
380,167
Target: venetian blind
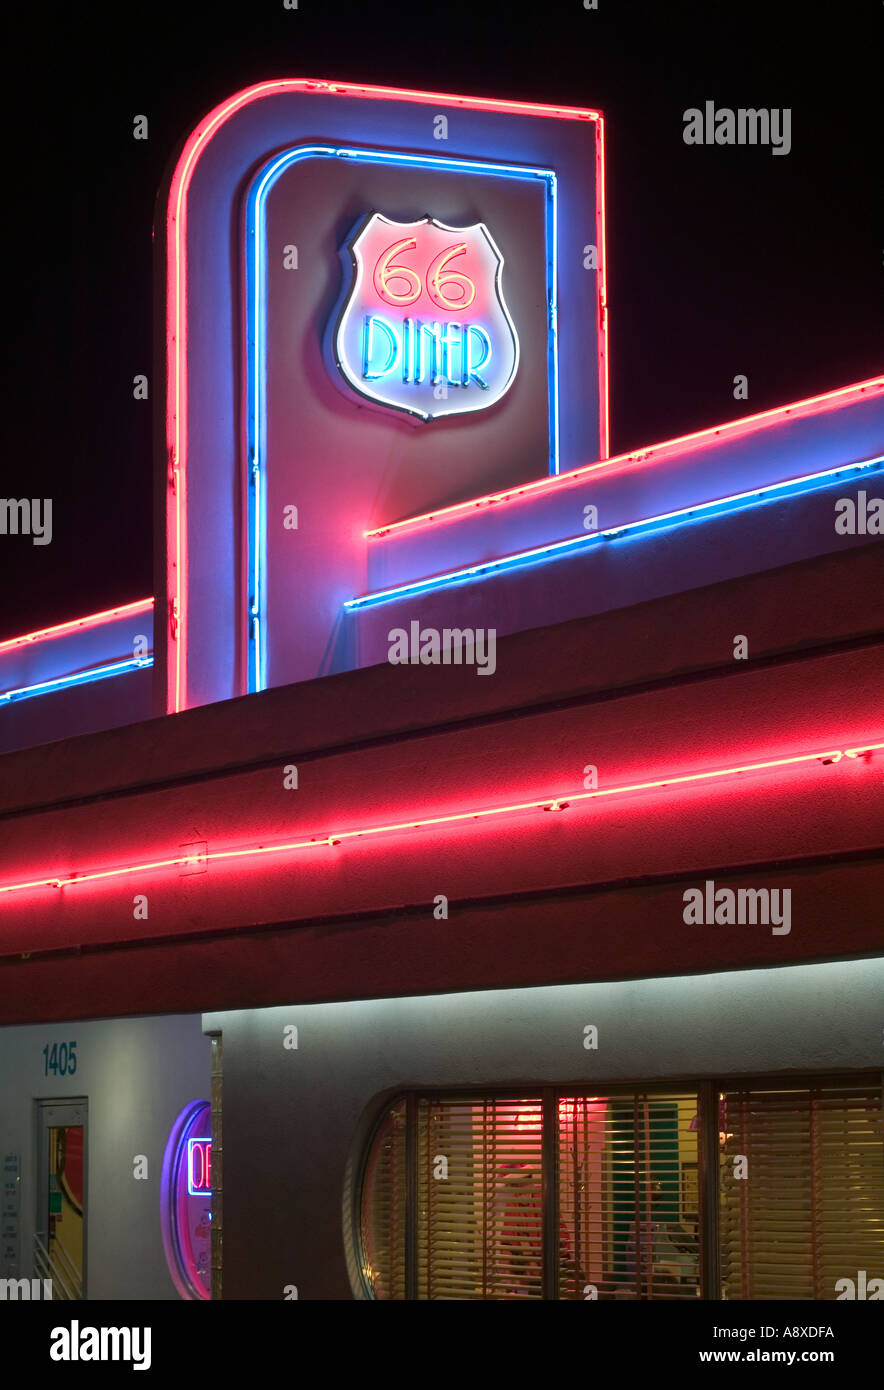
479,1225
628,1197
810,1210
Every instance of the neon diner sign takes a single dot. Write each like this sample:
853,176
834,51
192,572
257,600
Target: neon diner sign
425,328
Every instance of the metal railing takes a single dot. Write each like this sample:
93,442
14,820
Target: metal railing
67,1280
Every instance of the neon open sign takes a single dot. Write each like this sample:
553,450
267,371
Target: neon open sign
199,1167
425,328
186,1219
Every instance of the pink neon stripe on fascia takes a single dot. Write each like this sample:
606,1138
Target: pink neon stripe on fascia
555,803
176,283
812,405
142,605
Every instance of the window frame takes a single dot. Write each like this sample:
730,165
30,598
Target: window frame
549,1095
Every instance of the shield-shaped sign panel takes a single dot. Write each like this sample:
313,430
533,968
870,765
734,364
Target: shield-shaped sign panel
424,326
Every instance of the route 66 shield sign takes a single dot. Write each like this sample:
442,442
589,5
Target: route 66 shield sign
425,328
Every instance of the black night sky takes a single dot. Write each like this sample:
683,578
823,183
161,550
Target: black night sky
722,260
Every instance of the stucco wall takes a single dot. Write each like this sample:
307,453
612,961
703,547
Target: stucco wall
136,1074
294,1119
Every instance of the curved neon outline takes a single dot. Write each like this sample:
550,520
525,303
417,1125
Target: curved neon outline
549,803
176,1147
176,281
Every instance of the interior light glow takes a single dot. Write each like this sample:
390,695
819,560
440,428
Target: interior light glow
702,511
811,405
176,295
96,673
556,803
126,610
529,1117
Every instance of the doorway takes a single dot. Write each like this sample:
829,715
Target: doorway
60,1232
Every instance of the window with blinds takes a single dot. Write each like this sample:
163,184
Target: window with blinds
628,1196
479,1205
810,1209
621,1198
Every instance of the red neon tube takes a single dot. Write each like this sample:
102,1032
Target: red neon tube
559,803
811,405
142,605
